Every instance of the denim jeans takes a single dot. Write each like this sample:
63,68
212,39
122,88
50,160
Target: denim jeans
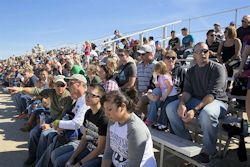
62,154
34,136
208,119
154,105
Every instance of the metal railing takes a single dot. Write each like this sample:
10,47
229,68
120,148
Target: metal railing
164,37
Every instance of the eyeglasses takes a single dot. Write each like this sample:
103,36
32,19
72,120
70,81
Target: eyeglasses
88,94
169,58
243,21
212,35
60,85
202,51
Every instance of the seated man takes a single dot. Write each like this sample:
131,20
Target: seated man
203,95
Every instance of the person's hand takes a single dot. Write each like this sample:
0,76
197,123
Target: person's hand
59,130
189,116
56,124
182,109
45,126
14,90
238,74
162,99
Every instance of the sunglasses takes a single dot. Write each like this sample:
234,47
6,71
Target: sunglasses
88,94
243,21
202,51
60,85
169,58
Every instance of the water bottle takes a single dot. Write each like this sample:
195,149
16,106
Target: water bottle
42,118
244,127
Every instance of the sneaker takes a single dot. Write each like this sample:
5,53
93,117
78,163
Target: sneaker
162,127
202,158
155,126
29,161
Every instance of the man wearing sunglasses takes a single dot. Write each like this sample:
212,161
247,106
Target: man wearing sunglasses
60,102
203,96
243,32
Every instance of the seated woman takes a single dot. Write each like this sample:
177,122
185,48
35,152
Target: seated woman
107,83
129,141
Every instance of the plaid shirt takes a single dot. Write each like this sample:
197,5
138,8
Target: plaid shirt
110,85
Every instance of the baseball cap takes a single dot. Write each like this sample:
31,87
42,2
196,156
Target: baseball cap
108,49
78,77
59,78
145,49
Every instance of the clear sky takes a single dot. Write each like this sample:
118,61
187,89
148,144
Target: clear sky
25,23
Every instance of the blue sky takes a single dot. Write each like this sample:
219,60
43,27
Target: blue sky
57,22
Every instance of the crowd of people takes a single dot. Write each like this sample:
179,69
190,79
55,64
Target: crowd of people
93,109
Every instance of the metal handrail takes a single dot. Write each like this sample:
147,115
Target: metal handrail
140,32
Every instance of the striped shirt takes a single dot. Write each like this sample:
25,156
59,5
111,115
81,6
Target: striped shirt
144,75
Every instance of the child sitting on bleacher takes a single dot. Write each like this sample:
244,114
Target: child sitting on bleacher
164,89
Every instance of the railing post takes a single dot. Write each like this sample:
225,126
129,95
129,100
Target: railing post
141,39
164,37
114,46
235,17
189,25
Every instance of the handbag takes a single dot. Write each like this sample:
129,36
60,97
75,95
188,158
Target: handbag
239,87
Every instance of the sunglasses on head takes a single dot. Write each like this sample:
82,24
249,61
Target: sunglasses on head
202,51
88,94
169,58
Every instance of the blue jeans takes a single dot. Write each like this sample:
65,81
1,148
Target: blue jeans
154,105
34,139
208,119
62,154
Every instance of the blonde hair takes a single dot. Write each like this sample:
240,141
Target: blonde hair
161,68
231,32
111,64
